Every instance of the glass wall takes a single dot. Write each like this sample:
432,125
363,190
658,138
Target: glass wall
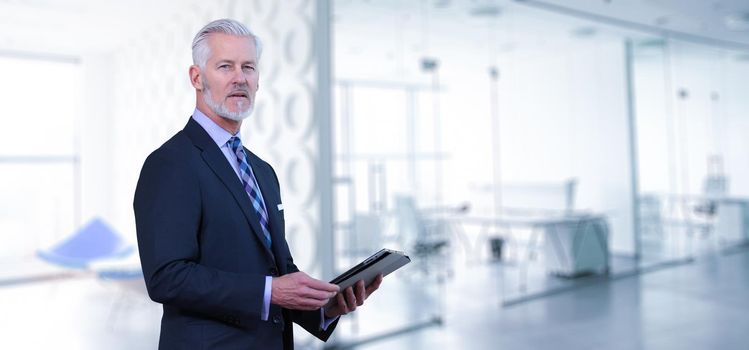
501,135
691,117
552,146
387,175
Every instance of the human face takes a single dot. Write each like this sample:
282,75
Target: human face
230,76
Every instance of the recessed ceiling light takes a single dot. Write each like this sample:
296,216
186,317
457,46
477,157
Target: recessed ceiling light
584,32
661,21
744,57
738,21
507,47
485,10
652,43
440,4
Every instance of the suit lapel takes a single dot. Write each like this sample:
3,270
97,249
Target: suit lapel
217,162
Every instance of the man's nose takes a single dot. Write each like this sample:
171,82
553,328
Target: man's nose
238,76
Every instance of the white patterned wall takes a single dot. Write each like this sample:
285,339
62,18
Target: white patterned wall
154,98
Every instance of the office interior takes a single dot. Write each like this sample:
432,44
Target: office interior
563,174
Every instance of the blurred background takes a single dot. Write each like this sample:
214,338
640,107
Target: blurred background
563,174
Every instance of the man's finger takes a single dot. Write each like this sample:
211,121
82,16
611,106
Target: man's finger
342,303
324,286
374,285
360,295
350,299
316,294
313,304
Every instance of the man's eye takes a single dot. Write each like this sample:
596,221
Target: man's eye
223,66
249,68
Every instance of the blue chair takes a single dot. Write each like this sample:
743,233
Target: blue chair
94,241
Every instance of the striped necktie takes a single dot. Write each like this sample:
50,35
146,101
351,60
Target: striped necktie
250,186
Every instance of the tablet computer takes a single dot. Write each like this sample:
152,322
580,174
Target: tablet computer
383,262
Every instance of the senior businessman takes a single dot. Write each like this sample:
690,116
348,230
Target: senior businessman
210,225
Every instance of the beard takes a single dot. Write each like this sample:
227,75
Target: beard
223,111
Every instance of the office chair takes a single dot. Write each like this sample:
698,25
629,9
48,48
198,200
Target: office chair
425,238
94,241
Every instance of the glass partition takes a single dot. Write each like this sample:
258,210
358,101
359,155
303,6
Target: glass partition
691,111
491,147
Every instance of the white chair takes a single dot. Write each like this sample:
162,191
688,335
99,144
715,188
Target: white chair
425,239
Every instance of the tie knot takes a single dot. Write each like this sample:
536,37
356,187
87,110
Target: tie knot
235,143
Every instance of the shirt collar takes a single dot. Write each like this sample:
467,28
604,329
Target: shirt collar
217,133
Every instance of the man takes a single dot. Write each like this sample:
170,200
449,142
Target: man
210,223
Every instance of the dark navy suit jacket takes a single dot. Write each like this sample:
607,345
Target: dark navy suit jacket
202,251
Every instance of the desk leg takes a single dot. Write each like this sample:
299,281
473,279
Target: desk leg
523,283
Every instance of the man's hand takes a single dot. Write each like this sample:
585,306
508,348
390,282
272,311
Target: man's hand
297,291
352,297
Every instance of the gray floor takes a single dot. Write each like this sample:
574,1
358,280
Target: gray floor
702,305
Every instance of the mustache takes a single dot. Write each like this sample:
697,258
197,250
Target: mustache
242,90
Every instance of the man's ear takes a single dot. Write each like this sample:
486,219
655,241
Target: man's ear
196,78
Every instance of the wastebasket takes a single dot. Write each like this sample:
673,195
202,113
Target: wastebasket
496,244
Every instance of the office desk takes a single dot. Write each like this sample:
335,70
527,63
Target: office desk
732,220
574,244
729,219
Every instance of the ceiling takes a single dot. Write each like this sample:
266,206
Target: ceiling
725,21
75,27
72,27
395,34
722,20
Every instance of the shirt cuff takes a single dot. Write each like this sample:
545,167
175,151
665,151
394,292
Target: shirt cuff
324,321
266,298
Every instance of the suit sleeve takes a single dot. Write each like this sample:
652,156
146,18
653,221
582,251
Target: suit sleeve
309,320
168,216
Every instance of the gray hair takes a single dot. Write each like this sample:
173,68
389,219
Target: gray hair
200,49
